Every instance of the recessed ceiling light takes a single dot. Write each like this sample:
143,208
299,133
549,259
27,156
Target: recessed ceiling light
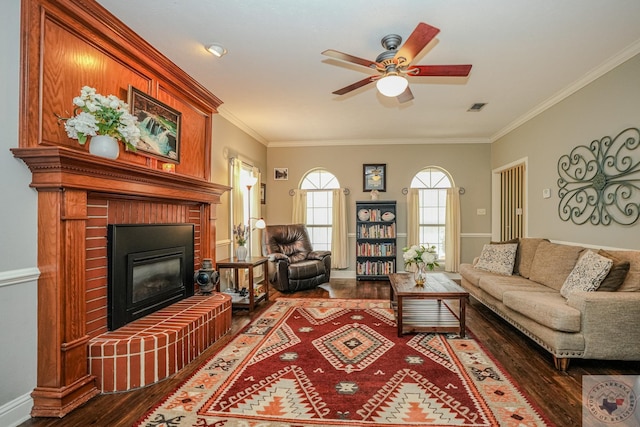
216,49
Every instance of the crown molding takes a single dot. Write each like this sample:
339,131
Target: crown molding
226,114
406,141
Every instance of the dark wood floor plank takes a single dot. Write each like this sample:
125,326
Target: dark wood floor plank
558,394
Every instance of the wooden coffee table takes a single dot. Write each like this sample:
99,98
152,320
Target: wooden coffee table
428,308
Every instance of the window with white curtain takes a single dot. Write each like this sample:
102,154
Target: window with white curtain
319,184
432,183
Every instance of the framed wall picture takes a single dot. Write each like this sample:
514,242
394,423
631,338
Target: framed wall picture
159,126
263,193
374,177
281,174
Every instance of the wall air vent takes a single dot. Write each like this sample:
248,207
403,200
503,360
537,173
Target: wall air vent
477,107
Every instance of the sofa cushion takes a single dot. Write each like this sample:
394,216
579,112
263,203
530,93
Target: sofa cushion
472,274
496,285
616,275
587,274
632,281
553,262
498,259
527,247
547,308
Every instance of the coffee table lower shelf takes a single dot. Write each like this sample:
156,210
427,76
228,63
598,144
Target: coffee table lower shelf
420,315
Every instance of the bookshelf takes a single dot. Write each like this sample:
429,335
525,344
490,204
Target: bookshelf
376,247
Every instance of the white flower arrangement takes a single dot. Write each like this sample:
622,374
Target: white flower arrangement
97,114
421,255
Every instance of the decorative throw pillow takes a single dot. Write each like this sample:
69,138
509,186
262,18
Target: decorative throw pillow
616,275
588,273
498,258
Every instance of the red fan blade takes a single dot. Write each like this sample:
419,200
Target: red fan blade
440,70
355,85
350,58
420,37
405,96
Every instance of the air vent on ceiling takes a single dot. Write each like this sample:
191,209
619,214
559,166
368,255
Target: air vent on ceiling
477,107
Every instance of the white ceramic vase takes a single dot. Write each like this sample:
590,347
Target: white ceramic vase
241,253
104,146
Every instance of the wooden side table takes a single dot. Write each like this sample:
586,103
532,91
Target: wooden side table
250,265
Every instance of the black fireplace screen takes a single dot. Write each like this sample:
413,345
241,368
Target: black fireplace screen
150,267
154,273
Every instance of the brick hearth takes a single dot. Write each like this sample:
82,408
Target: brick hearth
157,346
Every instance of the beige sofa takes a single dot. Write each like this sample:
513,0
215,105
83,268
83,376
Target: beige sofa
589,325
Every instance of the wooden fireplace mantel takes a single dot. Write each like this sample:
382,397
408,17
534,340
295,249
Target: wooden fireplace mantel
56,167
64,178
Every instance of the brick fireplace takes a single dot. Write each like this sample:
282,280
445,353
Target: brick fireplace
77,199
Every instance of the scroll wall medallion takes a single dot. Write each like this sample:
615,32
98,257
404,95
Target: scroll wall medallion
600,183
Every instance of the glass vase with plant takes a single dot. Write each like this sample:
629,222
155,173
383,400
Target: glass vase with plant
424,257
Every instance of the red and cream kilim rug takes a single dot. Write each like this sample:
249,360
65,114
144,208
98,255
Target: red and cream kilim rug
313,362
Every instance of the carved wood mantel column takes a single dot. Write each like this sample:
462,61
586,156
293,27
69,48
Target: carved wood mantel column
63,382
63,178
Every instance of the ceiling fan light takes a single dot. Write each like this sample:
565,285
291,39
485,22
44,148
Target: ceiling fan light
217,49
392,85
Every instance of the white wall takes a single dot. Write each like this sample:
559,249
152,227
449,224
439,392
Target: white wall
18,247
605,107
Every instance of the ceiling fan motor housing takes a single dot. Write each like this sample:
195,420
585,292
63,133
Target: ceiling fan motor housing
387,58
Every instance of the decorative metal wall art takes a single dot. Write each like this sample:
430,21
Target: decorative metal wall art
601,183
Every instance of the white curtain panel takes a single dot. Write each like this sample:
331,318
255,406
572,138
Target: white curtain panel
452,230
299,214
339,242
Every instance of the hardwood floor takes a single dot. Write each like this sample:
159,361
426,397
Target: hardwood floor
558,394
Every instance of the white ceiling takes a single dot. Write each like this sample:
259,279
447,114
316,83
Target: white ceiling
276,85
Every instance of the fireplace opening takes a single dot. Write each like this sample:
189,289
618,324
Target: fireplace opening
150,267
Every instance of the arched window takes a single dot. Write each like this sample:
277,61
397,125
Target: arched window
432,183
319,183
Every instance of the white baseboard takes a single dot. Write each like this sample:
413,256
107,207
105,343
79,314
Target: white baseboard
17,411
343,274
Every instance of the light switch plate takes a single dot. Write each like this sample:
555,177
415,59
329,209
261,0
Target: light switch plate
481,212
546,193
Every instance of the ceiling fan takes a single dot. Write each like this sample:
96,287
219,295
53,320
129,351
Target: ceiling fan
395,63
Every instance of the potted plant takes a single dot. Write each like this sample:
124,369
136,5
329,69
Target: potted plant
106,119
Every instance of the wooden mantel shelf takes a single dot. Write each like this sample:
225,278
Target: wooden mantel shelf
61,167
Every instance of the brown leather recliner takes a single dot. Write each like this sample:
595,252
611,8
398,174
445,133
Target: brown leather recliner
293,264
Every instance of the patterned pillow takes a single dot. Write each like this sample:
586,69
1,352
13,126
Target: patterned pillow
588,273
498,258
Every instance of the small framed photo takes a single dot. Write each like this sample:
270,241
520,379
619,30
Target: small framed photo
374,177
263,193
281,174
159,126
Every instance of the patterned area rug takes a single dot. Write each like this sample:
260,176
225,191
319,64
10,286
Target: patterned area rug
312,362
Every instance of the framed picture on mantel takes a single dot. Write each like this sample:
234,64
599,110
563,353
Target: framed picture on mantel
374,177
159,126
